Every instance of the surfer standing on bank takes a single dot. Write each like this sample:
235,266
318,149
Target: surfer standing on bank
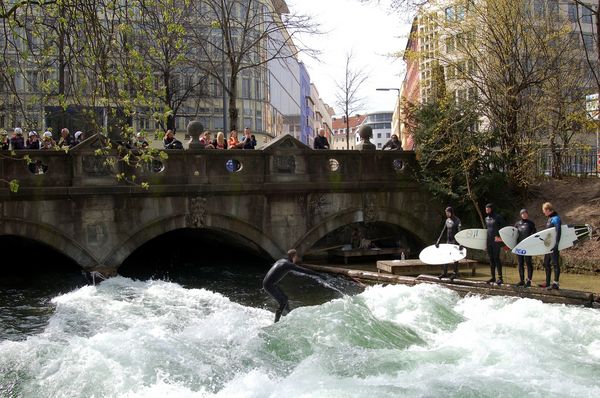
452,226
276,274
525,227
553,257
494,222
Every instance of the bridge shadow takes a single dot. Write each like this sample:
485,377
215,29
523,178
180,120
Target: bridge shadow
199,257
376,234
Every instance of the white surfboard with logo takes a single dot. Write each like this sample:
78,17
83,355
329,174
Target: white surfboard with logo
473,238
509,236
444,254
544,241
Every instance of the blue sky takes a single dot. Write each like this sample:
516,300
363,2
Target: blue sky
371,32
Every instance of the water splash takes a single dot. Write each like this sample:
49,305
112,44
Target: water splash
128,338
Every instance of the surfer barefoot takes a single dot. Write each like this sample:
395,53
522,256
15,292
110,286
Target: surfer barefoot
276,274
525,228
452,227
494,223
552,258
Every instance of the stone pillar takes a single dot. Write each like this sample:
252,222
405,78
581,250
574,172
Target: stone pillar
194,129
365,133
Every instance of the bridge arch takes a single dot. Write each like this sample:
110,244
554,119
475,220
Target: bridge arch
51,237
405,220
221,222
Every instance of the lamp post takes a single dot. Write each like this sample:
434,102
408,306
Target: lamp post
398,106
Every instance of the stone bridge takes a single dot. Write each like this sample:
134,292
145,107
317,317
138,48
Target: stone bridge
285,195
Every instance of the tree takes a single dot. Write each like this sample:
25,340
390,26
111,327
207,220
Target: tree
348,96
235,37
457,162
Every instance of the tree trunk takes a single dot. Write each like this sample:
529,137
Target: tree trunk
233,110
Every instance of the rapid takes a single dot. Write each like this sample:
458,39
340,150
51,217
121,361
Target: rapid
128,338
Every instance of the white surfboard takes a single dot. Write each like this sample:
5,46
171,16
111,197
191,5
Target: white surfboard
473,238
509,236
544,241
444,254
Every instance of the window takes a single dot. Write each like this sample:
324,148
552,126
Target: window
379,145
378,135
460,13
588,41
539,8
586,15
449,14
572,12
388,135
449,44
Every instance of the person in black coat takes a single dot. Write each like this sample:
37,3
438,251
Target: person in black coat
321,141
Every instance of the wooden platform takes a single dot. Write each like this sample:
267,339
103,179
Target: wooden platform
368,252
464,287
417,267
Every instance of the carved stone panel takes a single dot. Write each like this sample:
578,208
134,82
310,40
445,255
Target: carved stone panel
317,207
96,166
284,164
96,234
369,207
196,217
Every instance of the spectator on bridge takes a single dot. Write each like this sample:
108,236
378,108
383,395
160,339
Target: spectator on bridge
254,143
321,141
79,137
219,142
17,141
206,141
65,140
140,141
170,142
394,143
33,141
4,141
247,142
47,141
232,142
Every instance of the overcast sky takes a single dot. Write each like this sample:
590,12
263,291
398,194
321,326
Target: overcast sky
371,32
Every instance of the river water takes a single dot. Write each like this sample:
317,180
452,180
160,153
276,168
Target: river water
128,338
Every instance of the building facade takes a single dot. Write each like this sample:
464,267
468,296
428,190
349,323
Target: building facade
340,139
273,98
381,124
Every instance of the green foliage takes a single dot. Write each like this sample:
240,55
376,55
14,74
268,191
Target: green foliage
459,162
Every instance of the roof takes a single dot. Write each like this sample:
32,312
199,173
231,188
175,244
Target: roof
339,123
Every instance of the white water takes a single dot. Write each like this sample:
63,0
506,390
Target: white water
158,339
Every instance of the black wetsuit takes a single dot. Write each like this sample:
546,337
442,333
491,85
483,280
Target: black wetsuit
276,274
494,223
526,228
452,227
552,258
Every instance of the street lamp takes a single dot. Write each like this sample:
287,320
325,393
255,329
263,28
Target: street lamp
398,100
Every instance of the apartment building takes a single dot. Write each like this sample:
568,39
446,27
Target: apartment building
272,98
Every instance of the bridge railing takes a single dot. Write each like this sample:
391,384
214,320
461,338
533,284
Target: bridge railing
211,169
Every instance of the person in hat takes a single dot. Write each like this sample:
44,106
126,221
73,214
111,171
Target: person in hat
4,141
452,227
141,141
494,222
79,136
525,227
33,141
277,272
17,141
47,140
552,259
